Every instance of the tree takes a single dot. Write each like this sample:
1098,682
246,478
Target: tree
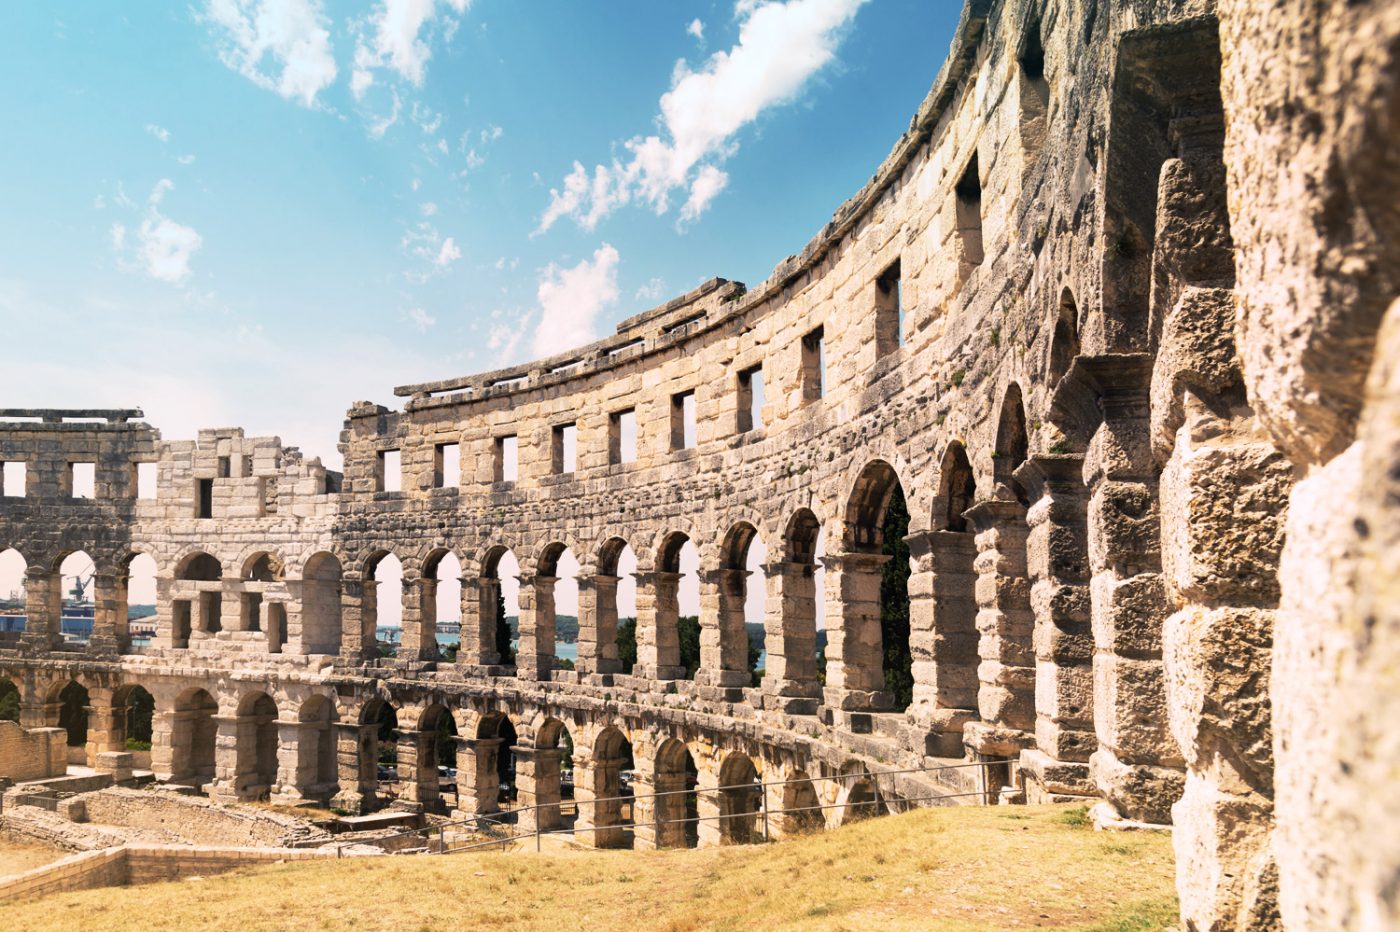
446,740
688,630
503,631
140,711
894,603
627,643
9,701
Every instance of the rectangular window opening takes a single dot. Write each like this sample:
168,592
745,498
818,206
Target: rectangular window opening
82,480
390,471
180,623
889,311
622,437
204,498
507,458
814,365
225,467
683,421
751,399
12,480
447,466
969,195
564,453
146,478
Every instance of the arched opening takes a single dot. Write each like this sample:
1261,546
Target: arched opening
609,782
382,748
791,664
196,606
13,597
77,608
1012,445
1064,344
499,607
437,756
73,718
9,700
863,799
320,604
255,612
743,598
386,572
877,521
256,759
801,810
446,573
133,715
677,813
957,489
554,776
496,739
675,635
615,608
316,777
193,735
552,639
740,798
137,609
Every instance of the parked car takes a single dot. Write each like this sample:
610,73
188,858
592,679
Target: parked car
388,774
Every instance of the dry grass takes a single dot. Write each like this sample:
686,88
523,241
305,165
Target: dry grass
16,858
955,869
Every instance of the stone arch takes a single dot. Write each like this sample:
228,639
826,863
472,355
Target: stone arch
957,489
1012,442
133,711
486,634
799,807
382,600
727,663
72,707
860,796
601,780
199,566
262,566
659,646
11,698
601,595
321,597
196,598
379,750
316,776
674,778
139,568
255,770
1064,340
434,747
739,798
193,737
790,618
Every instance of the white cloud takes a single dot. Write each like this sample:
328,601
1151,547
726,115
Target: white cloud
448,254
427,208
185,159
161,248
397,43
570,300
425,242
159,132
281,45
651,291
420,318
781,46
696,29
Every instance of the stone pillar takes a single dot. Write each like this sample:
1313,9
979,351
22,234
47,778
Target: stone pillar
855,678
724,641
537,784
104,735
418,776
1137,765
597,788
943,637
534,659
224,786
358,616
162,743
668,810
42,608
646,833
709,829
790,638
292,773
479,648
1057,560
478,781
355,765
658,637
419,620
110,634
597,624
1005,623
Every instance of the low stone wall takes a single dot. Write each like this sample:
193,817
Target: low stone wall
32,753
132,864
193,820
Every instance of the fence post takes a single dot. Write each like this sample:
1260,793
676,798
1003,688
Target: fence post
763,791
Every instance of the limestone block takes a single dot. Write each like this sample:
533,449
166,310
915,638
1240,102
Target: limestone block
1142,792
1197,351
1124,517
1128,613
1130,708
1226,875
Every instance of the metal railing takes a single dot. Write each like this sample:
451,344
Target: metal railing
496,824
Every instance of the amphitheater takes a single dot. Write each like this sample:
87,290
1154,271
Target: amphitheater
1116,318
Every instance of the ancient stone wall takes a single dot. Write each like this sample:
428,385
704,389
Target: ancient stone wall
32,754
1104,318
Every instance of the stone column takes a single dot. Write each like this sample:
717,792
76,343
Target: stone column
110,634
1005,623
855,678
943,637
355,765
292,773
790,639
709,829
1057,559
419,620
42,608
658,638
224,786
534,659
1137,766
358,617
597,624
418,776
597,788
103,734
478,782
724,641
537,784
669,811
646,833
479,648
162,743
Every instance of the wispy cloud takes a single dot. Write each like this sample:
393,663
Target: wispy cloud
420,319
571,298
424,241
281,45
696,29
160,132
158,247
781,46
651,291
392,39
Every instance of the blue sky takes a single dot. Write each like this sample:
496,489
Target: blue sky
255,212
